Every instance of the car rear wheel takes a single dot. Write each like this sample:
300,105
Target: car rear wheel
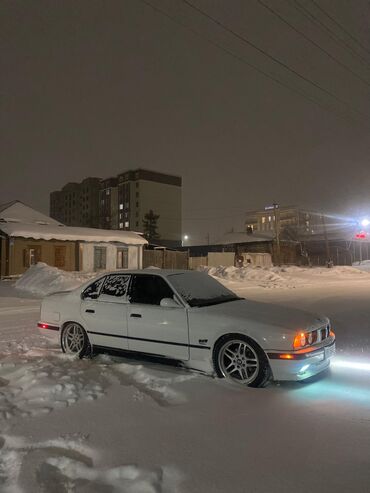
74,339
241,360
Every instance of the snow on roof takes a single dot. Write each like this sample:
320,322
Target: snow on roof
16,211
70,233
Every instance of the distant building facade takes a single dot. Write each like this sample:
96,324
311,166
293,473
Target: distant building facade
122,202
77,204
125,199
304,222
108,204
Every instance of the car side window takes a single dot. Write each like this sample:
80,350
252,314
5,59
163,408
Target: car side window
116,285
149,290
93,290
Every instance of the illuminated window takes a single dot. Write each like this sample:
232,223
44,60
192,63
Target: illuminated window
127,224
121,225
263,219
120,207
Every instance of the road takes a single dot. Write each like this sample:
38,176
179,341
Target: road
124,425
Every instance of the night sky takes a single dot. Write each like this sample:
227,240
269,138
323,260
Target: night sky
91,88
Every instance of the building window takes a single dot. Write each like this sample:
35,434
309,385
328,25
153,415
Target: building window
60,256
270,219
122,258
263,219
121,207
107,192
127,224
100,258
120,225
137,204
31,256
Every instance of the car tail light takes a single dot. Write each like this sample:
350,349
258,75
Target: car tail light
300,341
332,333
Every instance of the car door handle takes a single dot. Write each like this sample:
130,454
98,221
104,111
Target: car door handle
135,315
89,311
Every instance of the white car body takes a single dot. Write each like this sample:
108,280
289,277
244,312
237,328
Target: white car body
189,333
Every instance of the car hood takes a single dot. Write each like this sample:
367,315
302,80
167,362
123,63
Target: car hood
267,314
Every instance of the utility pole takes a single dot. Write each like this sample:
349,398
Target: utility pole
277,232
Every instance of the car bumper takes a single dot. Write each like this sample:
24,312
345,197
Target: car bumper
304,366
50,331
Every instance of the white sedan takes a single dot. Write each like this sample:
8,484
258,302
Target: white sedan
190,317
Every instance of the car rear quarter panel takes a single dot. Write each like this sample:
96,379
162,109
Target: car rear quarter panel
59,309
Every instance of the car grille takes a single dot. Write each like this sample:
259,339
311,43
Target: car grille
320,334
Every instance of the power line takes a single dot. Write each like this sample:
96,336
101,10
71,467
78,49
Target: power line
341,27
283,19
299,92
304,11
271,57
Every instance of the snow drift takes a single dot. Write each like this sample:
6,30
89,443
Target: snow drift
284,276
41,279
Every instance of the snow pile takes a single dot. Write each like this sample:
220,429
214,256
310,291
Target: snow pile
36,383
41,279
261,276
284,276
362,266
66,464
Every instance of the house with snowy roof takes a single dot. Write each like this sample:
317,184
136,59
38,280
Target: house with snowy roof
28,236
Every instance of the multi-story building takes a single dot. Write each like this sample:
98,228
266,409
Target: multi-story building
108,203
303,221
140,191
122,202
77,204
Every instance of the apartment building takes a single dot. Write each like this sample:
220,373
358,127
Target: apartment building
77,204
140,191
304,221
122,202
108,204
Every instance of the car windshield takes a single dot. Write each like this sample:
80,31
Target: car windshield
199,289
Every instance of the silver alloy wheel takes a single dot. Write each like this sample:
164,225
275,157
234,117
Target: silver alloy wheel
73,338
238,361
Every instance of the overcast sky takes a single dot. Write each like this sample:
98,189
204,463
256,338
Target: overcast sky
91,88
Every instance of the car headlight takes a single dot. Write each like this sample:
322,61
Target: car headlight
300,340
304,339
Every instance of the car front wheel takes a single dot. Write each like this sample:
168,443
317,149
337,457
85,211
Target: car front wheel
74,339
241,360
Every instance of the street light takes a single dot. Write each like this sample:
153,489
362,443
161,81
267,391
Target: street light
184,238
365,222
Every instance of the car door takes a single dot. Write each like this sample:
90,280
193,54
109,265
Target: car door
104,310
153,328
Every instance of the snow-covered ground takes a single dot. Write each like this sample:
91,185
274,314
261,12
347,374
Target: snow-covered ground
116,424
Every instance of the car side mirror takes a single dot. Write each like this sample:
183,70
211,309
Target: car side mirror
169,303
